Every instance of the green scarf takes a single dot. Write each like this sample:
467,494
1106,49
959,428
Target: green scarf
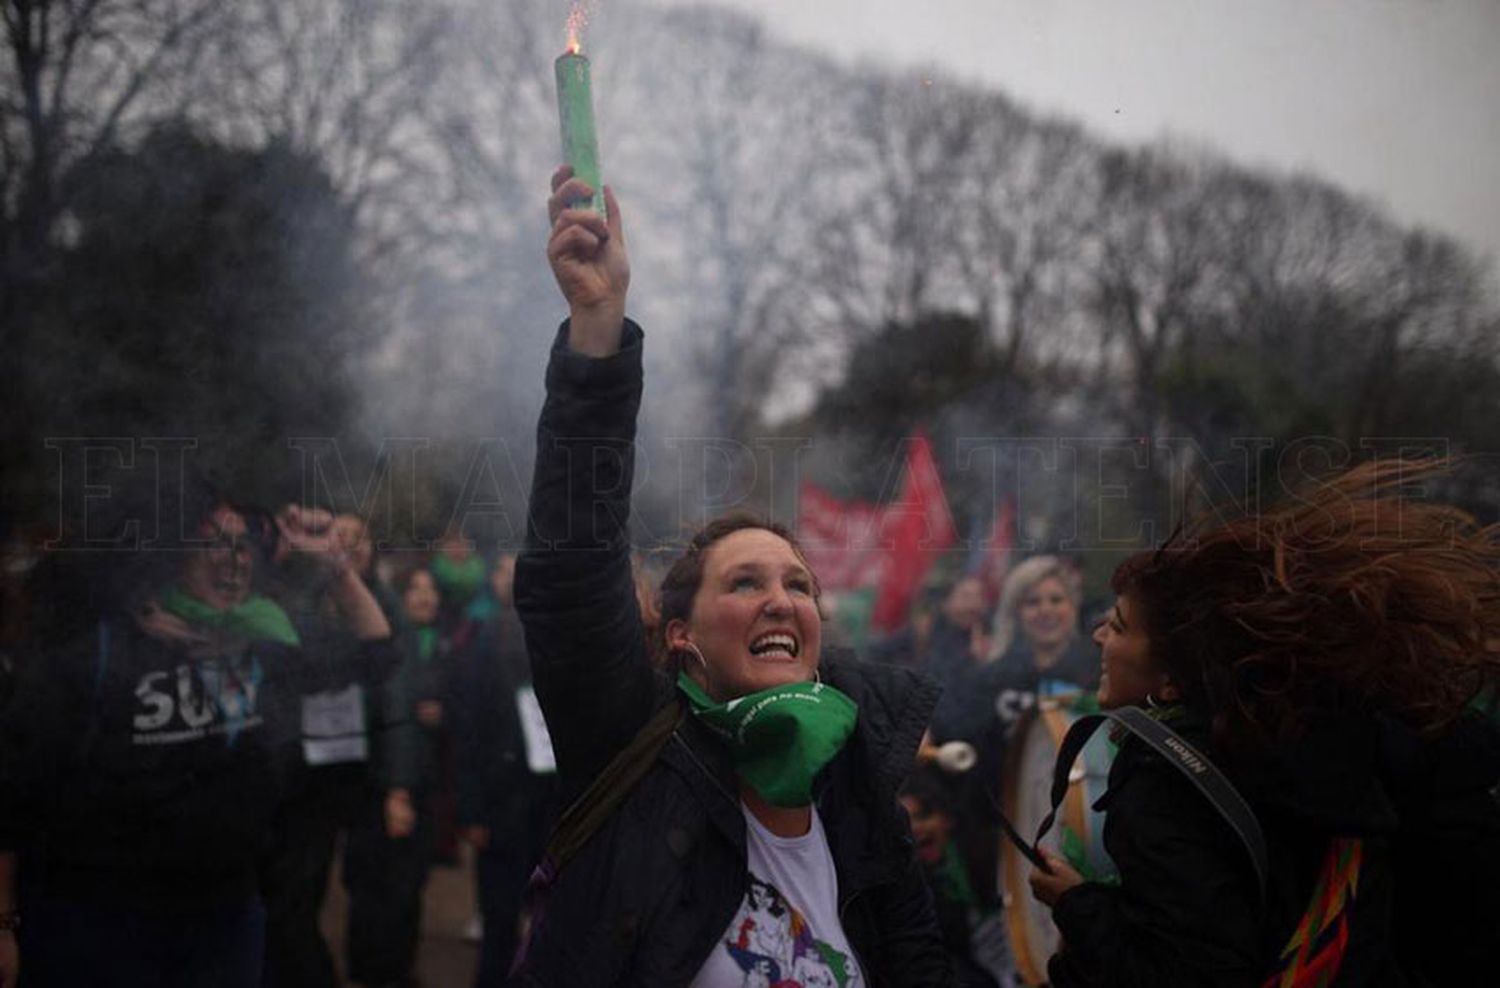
780,738
953,877
257,619
427,643
458,581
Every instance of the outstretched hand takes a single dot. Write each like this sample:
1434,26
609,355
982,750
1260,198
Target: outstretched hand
589,261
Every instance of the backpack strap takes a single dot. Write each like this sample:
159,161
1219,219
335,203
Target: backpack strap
1181,756
587,814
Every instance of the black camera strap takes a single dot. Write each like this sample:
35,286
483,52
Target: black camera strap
1178,753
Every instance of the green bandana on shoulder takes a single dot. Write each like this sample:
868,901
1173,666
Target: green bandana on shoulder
780,738
257,619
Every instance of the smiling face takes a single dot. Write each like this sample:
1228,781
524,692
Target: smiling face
1130,674
931,829
754,617
219,575
1047,615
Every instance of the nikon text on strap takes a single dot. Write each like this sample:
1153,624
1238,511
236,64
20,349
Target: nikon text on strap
1181,755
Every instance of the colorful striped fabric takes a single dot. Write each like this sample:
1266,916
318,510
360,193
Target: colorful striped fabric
1312,956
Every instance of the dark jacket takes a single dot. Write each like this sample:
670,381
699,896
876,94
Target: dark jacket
138,774
496,787
1012,683
650,895
406,749
1187,912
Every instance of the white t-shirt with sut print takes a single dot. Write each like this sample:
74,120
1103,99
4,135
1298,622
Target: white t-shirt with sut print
787,932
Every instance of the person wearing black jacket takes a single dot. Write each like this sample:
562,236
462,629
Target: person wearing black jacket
325,785
1331,657
142,759
389,847
507,789
666,891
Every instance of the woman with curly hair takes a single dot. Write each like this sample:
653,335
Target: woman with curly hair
1334,658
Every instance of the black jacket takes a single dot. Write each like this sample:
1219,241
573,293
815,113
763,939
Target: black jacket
496,787
135,773
650,895
1187,912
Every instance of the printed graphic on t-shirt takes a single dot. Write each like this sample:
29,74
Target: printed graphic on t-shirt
196,700
773,945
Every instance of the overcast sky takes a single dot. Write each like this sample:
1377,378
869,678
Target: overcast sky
1398,100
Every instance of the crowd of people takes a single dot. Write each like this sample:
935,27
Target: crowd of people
685,781
190,738
1329,665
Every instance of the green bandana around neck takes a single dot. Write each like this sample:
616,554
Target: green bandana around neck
427,642
458,581
780,738
257,619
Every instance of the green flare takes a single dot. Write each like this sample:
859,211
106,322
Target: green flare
575,111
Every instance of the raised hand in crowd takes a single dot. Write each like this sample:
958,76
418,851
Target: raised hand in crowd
311,537
589,261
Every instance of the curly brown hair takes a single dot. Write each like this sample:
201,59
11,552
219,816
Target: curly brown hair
680,585
1348,596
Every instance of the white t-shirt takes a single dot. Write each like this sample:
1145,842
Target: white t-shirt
787,932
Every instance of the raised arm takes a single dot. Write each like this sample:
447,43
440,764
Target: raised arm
573,581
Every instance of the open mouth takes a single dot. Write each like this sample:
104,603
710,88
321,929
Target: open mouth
776,646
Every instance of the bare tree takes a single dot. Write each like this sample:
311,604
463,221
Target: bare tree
75,74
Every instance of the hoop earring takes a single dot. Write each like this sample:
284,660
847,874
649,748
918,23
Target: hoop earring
694,649
1151,702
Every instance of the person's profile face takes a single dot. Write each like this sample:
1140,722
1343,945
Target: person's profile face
1128,674
219,574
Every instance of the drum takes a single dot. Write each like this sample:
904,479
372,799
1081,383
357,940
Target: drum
1077,834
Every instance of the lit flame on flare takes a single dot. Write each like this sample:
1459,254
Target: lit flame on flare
578,18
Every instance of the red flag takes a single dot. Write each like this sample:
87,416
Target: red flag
990,560
916,529
840,539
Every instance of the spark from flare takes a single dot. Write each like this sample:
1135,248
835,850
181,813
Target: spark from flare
578,19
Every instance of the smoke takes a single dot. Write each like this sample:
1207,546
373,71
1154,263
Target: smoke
783,212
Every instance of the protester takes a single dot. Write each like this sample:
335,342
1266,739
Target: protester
1324,656
390,845
507,782
1037,650
724,862
460,574
142,754
956,653
333,771
961,880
